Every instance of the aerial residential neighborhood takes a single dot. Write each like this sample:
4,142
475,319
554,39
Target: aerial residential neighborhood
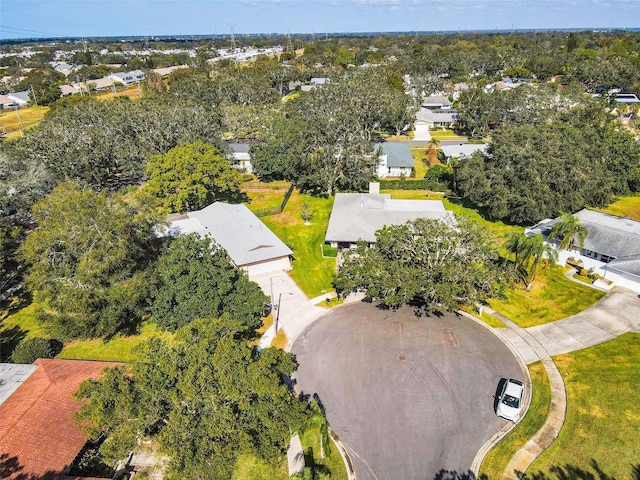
324,240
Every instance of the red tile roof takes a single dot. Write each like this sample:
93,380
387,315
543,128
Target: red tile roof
39,437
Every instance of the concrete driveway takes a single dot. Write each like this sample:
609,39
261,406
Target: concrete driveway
408,396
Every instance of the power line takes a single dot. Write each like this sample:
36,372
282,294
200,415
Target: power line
10,29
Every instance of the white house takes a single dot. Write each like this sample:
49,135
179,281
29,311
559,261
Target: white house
396,159
128,78
611,247
19,99
241,158
357,216
248,242
462,150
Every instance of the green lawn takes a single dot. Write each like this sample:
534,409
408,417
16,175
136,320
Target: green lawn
625,207
500,230
498,458
603,420
552,298
419,161
117,349
23,324
311,271
331,467
12,120
265,195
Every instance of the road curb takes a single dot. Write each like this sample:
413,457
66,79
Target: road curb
351,473
489,444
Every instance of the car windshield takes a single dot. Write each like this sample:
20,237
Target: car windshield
510,401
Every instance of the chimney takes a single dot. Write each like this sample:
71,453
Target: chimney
374,187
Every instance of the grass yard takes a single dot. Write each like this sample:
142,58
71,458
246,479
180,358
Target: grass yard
603,419
117,349
420,161
311,271
625,207
132,92
11,119
498,458
23,324
552,298
331,467
265,195
414,194
499,230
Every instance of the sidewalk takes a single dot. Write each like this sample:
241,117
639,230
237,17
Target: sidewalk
614,315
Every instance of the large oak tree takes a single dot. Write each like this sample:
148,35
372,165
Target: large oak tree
433,264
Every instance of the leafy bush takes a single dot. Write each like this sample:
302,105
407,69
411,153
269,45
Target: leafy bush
329,251
31,349
584,272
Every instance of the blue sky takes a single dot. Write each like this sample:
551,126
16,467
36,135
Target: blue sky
38,18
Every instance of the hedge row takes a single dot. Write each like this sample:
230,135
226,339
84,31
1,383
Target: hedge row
430,184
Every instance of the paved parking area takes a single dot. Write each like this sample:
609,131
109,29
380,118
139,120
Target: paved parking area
408,396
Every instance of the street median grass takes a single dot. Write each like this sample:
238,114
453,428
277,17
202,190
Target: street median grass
553,297
312,272
495,463
603,420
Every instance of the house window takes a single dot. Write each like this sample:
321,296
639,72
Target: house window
589,253
606,258
388,169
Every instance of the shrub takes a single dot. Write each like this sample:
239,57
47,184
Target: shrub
329,251
31,349
584,272
594,276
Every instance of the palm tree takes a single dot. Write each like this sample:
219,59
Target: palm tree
531,254
569,231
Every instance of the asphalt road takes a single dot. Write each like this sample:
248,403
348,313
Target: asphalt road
408,396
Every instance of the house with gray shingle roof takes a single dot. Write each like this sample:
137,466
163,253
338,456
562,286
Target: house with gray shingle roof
395,160
611,247
357,216
249,243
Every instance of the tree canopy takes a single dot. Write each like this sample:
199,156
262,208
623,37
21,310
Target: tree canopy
433,264
534,171
197,281
207,399
191,176
88,259
324,142
93,142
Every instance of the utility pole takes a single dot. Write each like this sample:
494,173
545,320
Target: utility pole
33,95
233,36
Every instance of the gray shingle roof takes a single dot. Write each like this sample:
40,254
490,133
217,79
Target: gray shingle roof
430,116
236,229
357,216
398,153
630,264
610,235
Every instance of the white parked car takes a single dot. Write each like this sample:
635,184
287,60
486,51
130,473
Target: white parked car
510,400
